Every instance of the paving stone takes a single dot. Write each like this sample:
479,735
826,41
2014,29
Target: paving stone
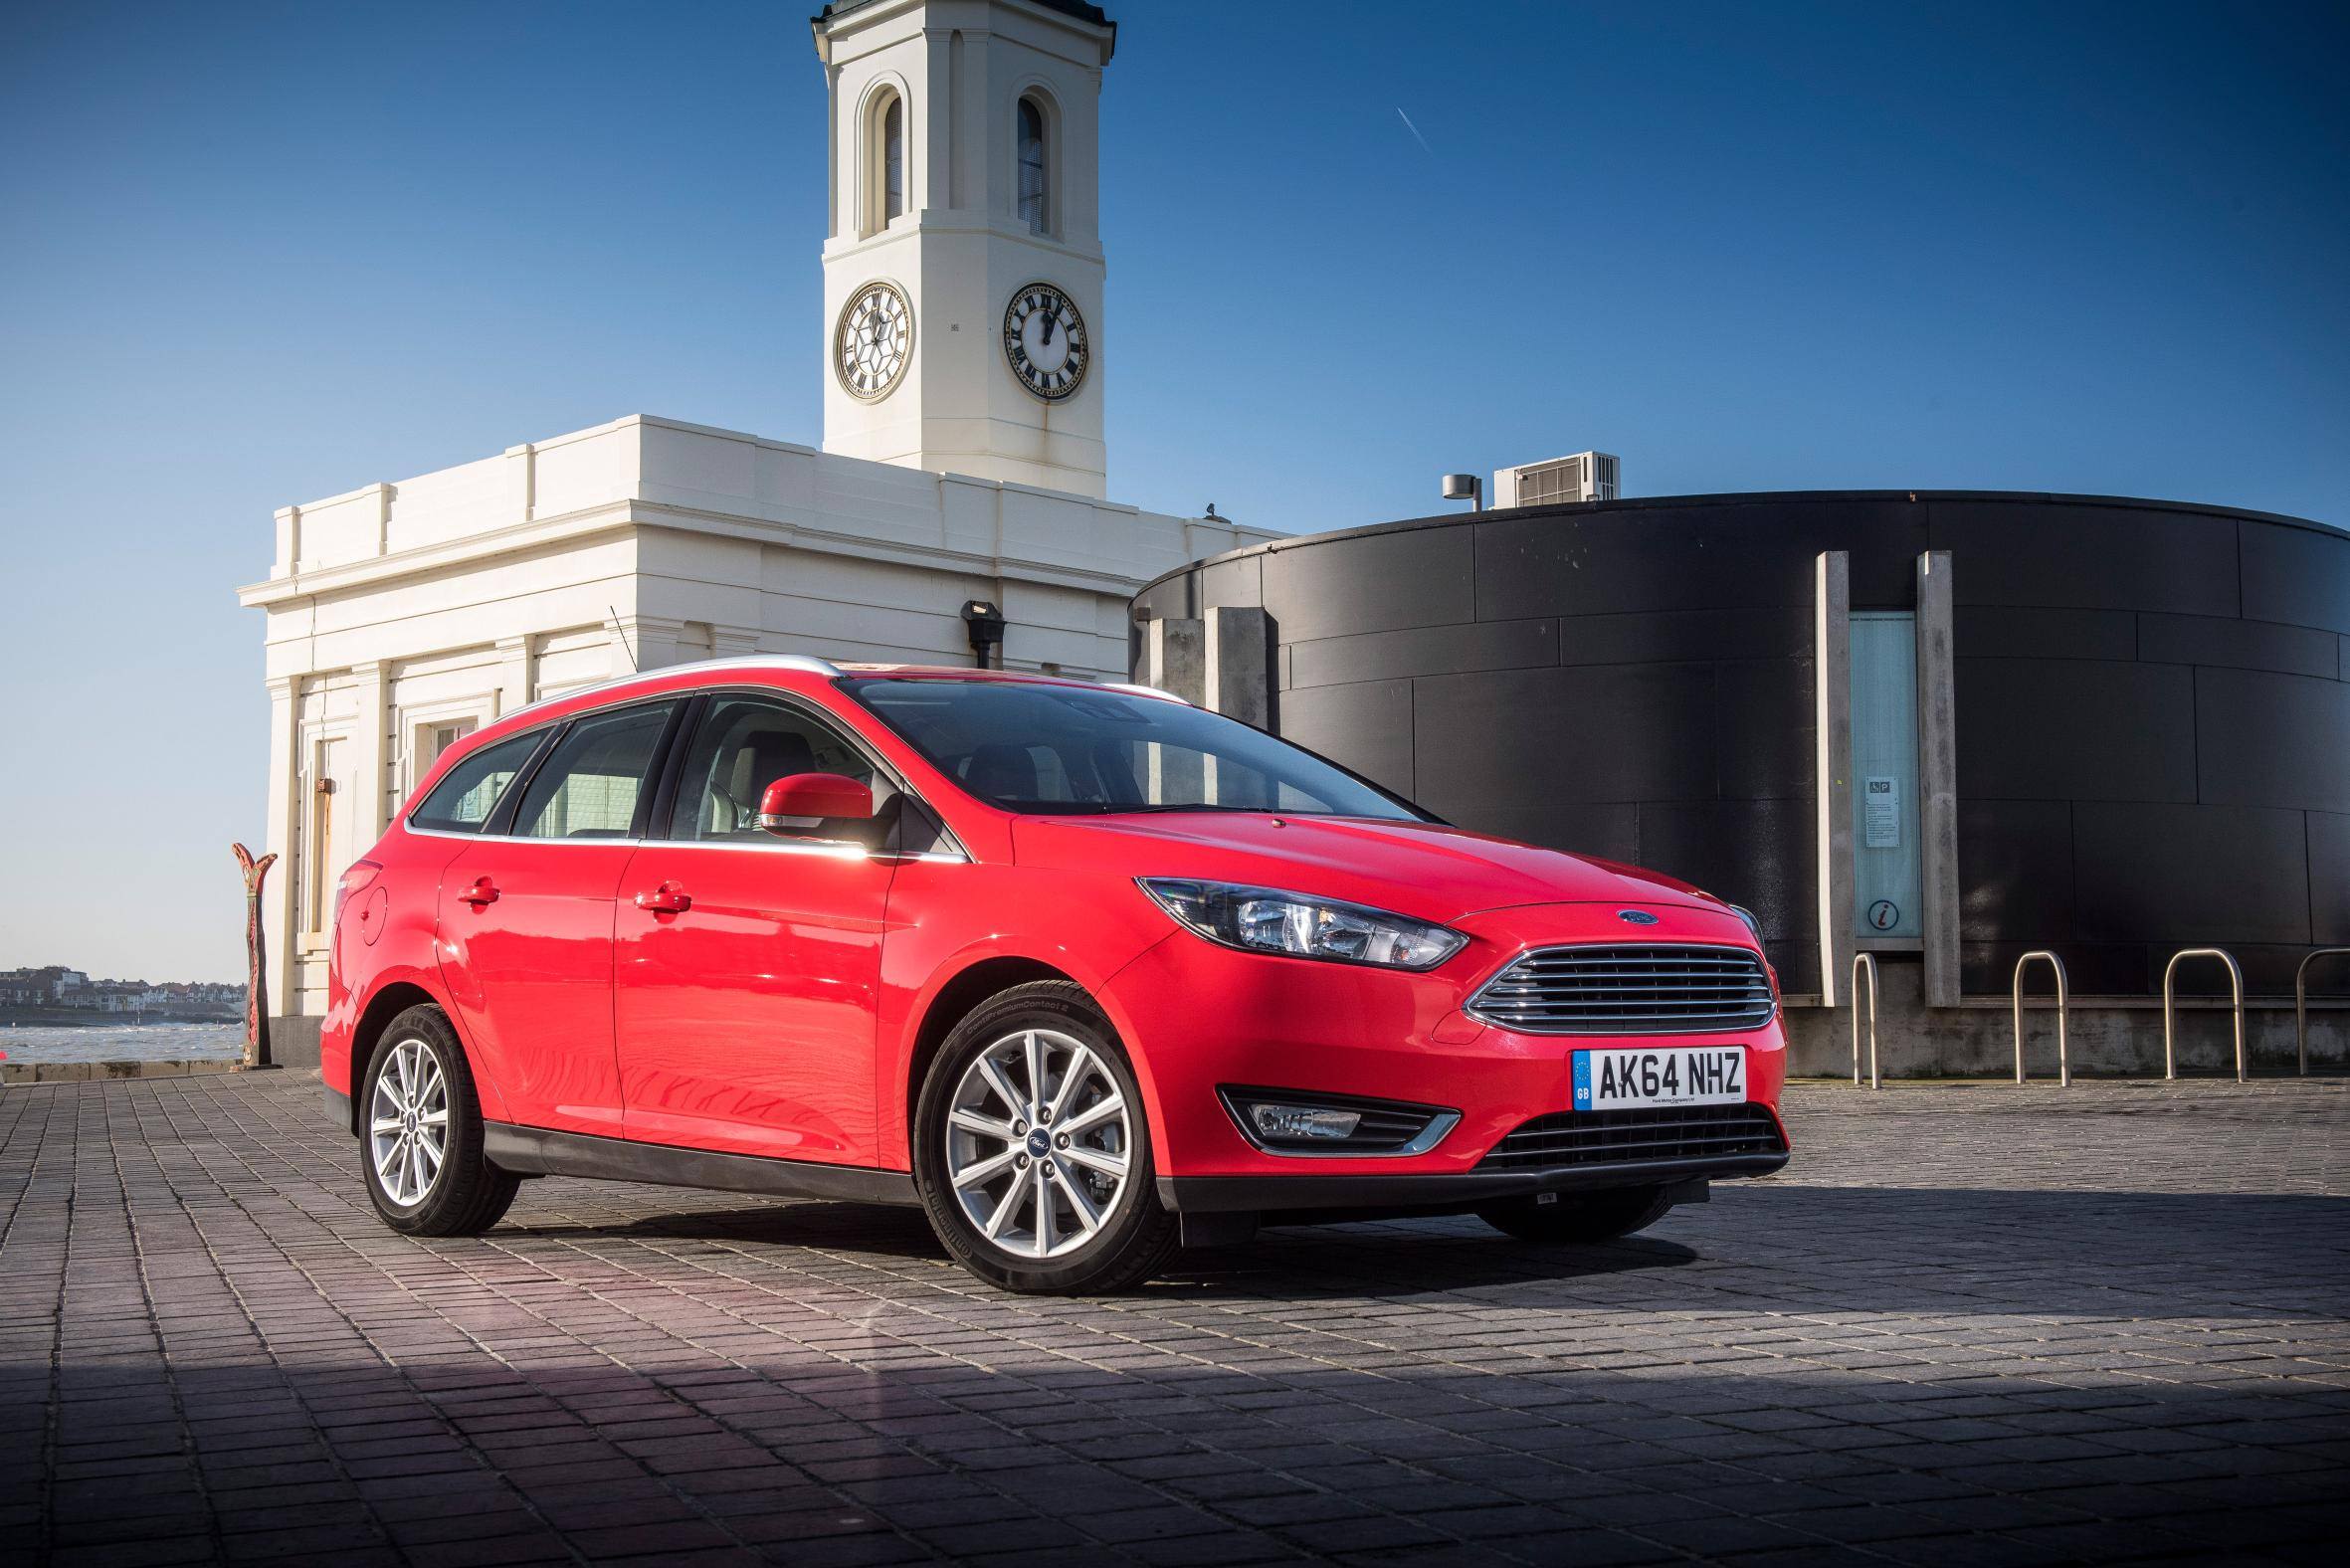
1973,1325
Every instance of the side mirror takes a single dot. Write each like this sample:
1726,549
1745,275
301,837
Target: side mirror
803,795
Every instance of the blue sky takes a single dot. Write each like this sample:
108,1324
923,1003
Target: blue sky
260,253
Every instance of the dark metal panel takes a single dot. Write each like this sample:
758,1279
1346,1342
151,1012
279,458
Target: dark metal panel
2190,875
2237,645
1608,830
2296,575
2267,739
1602,732
1424,651
1765,728
1238,581
1704,555
2074,729
1366,726
2015,870
1677,636
2090,969
2098,557
1372,583
1756,852
2329,885
2005,631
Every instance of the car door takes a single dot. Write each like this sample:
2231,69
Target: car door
748,964
525,920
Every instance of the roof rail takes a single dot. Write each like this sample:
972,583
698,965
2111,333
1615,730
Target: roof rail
1142,690
807,662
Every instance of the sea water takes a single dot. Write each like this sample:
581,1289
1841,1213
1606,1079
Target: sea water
122,1043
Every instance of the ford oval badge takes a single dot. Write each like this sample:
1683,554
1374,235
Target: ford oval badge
1636,916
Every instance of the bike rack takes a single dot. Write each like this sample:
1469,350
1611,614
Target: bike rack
2170,1060
2301,1000
1865,962
2063,1065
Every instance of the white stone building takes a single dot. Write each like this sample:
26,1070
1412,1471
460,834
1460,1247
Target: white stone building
962,459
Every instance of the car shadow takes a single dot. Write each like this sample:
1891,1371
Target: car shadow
1406,1256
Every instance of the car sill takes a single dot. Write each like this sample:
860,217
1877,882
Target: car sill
536,1151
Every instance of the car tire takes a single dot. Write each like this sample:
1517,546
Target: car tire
417,1081
993,1126
1575,1218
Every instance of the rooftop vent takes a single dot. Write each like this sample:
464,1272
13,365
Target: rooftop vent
1586,476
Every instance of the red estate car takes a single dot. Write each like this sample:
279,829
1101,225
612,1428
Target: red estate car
1083,970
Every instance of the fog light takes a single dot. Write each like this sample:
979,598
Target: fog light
1304,1121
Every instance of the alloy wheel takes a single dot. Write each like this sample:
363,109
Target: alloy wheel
408,1122
1038,1143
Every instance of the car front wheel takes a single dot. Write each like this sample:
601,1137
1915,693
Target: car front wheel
1031,1153
420,1133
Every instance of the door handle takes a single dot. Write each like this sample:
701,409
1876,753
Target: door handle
668,899
483,891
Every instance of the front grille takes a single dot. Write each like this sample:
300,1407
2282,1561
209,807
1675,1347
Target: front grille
1572,1139
1629,991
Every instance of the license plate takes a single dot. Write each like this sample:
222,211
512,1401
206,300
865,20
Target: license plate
1680,1075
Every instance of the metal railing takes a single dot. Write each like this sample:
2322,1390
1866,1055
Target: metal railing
1865,962
2063,1062
2170,1060
2301,1000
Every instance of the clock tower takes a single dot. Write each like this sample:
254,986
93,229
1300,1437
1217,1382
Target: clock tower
962,266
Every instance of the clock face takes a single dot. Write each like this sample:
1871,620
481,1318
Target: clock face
1044,339
873,341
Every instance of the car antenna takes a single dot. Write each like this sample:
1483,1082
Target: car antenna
621,632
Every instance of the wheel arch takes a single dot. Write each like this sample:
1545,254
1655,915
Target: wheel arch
388,1002
952,1003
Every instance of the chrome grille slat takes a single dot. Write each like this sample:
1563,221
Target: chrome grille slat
1629,989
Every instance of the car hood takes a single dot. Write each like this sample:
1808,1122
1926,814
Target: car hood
1422,868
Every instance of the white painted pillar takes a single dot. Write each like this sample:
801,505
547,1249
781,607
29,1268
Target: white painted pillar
278,892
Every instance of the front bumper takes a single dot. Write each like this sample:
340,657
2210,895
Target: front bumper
1438,1193
1203,1016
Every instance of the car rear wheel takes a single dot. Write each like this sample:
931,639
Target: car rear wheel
1572,1218
1031,1153
420,1133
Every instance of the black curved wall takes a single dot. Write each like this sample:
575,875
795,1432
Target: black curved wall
2153,703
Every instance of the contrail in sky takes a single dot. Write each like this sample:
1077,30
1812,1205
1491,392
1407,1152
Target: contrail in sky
1415,130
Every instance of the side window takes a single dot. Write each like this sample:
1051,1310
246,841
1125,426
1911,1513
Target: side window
589,785
744,744
464,800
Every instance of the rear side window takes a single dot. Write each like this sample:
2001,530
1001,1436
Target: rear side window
589,785
464,800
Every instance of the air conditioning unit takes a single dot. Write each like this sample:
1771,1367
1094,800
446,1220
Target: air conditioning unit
1587,475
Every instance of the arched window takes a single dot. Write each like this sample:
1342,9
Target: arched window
894,159
1034,178
884,197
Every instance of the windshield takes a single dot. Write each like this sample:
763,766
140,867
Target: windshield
1059,749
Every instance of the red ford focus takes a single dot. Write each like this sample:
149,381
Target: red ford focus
1084,971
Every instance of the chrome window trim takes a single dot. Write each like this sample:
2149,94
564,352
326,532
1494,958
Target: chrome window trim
833,848
954,853
803,664
1473,1006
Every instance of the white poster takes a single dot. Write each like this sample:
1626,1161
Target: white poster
1880,813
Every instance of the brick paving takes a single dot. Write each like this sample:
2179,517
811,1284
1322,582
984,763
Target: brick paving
1969,1325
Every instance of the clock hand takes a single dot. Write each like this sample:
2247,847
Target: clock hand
1047,339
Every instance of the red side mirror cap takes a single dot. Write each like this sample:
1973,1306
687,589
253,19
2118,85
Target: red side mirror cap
803,795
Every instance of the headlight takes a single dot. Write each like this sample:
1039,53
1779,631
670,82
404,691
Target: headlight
1268,920
1752,924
